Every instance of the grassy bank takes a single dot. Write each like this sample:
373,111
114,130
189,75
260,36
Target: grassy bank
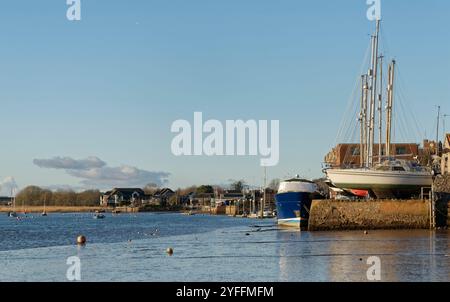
51,209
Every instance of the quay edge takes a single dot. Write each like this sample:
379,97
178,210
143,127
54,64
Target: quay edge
329,215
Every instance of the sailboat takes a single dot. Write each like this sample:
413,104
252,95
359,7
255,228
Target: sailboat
13,214
388,176
44,213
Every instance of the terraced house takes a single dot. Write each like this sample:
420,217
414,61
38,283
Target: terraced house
123,196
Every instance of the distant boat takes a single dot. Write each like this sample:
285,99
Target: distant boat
99,216
293,201
13,214
44,213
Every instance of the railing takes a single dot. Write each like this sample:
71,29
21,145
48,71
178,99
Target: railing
425,192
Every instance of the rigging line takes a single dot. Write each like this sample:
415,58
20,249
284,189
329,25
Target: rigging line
415,129
402,107
344,121
407,111
402,97
404,127
352,123
351,133
349,150
351,101
384,41
411,107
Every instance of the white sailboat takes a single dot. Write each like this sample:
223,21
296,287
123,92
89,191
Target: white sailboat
13,197
44,212
388,177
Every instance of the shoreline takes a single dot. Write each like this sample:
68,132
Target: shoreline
54,209
86,209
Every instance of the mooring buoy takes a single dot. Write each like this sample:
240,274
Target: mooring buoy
81,240
169,251
366,233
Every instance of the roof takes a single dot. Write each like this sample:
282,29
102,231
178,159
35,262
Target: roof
128,189
126,192
5,199
447,141
164,191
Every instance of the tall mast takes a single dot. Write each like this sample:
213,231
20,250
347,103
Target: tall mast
373,72
389,107
363,114
437,130
13,197
380,111
362,122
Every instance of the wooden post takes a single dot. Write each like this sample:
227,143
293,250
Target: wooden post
433,208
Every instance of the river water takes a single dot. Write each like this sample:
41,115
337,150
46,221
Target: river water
132,247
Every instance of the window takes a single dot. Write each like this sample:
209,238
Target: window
400,151
383,168
398,169
355,151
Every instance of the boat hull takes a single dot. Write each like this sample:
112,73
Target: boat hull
293,209
381,183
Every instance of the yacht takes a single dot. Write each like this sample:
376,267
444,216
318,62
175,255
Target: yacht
382,175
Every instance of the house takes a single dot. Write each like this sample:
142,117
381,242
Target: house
5,201
230,196
348,155
161,196
445,163
123,196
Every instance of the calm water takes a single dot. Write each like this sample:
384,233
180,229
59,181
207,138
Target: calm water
131,247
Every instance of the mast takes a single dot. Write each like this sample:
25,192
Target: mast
13,196
380,112
362,122
390,100
373,73
263,200
437,130
366,98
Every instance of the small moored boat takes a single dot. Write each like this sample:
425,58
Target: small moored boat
293,201
99,216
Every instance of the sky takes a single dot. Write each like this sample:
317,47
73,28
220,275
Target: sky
90,103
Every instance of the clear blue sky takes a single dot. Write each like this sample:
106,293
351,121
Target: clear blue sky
110,85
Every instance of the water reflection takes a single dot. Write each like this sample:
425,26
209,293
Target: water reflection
209,248
417,255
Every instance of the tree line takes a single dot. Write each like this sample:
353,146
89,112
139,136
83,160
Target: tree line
36,196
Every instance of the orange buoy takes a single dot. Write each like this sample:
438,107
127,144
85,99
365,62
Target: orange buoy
81,240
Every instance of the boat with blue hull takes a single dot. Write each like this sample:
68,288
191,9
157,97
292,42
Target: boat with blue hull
293,201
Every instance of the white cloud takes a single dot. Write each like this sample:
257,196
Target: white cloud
94,173
119,176
70,163
7,186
